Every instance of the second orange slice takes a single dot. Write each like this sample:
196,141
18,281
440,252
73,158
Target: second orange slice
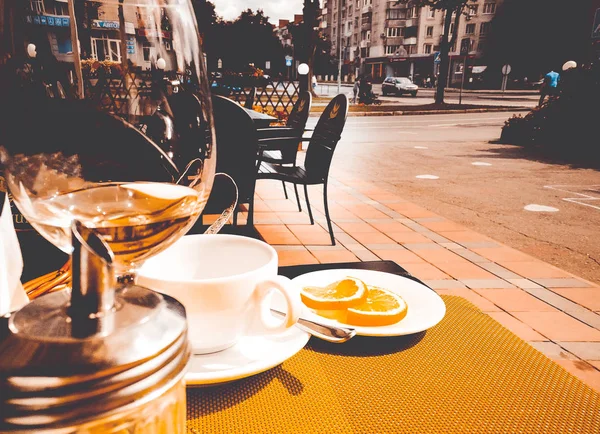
338,295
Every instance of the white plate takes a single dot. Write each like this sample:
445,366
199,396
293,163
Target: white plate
254,353
425,307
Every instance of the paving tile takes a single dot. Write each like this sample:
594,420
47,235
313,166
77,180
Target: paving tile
535,269
262,228
408,237
486,283
422,246
473,245
562,283
464,236
555,300
372,238
366,211
295,257
327,247
524,283
501,253
470,256
583,350
552,350
584,371
451,246
443,284
411,210
430,219
515,300
588,317
440,256
365,255
293,217
417,227
498,270
355,227
267,218
344,238
435,237
384,246
314,236
325,256
443,226
595,363
483,304
279,237
516,326
425,271
464,270
558,326
388,226
282,205
401,257
588,297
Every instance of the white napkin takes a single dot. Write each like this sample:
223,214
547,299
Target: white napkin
12,294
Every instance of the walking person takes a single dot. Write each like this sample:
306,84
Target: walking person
355,89
550,86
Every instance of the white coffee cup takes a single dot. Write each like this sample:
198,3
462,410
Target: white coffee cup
224,282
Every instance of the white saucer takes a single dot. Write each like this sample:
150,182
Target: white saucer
254,353
425,307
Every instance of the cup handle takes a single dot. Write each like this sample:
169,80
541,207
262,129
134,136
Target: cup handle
292,299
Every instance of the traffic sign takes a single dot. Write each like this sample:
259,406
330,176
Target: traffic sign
506,69
437,58
288,60
465,45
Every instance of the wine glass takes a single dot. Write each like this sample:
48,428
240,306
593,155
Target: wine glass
105,117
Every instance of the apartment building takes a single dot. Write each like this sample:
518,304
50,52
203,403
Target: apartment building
381,38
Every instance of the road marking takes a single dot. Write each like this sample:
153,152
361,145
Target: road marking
582,198
465,123
421,147
427,177
480,163
540,208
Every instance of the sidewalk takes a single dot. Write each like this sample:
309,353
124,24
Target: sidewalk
556,312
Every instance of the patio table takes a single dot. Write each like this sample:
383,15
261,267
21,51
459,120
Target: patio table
261,120
468,374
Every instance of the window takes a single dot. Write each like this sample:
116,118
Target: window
349,26
333,32
343,13
473,10
410,49
368,35
451,28
366,18
355,40
61,9
471,45
481,46
63,42
431,12
427,48
395,14
391,49
470,29
350,10
146,49
429,31
413,12
106,49
394,32
489,8
357,4
484,28
365,35
37,6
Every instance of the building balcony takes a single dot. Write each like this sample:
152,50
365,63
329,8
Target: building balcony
410,41
365,44
398,40
365,26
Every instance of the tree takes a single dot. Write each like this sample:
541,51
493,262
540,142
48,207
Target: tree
544,41
451,9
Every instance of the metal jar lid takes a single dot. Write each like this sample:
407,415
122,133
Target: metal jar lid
82,354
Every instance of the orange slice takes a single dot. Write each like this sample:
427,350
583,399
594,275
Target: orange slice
338,295
381,308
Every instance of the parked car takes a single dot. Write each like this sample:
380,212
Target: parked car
399,86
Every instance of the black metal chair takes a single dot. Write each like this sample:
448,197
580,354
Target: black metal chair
237,150
319,154
286,138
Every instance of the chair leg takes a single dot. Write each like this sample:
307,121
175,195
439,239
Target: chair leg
235,216
284,189
312,220
327,214
250,219
297,197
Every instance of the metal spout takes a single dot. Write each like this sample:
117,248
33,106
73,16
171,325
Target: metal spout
93,287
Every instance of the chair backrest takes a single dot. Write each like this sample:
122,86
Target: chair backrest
249,103
299,115
326,135
237,149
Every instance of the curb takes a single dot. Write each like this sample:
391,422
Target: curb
429,112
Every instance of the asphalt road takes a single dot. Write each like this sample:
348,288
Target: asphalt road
489,198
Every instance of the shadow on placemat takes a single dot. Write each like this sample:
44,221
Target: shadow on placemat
223,396
367,346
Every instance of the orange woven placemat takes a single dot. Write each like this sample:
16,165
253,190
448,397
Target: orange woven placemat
468,374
